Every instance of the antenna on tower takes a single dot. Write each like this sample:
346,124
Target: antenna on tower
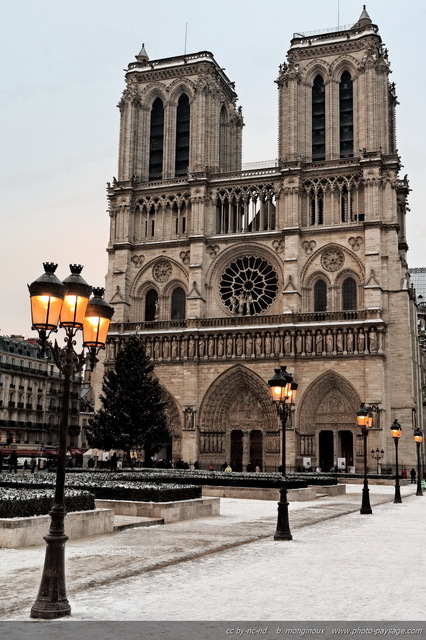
186,35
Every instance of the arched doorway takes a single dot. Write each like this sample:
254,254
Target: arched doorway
237,450
326,450
256,449
237,421
347,447
327,421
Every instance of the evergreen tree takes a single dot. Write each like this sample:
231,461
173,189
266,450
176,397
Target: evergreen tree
132,412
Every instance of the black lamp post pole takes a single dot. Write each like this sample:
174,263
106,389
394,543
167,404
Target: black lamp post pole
419,491
365,505
397,499
283,524
52,599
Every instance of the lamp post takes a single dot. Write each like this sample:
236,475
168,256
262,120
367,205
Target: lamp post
396,434
418,439
377,455
364,418
283,392
65,303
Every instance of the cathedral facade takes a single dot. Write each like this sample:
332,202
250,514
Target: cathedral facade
230,273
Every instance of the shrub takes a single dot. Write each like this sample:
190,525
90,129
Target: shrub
14,503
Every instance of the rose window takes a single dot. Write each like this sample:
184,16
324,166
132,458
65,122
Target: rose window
248,286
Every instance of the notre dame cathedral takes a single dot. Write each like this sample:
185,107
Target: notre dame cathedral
230,273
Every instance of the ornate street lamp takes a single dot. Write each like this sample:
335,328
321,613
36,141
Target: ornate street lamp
68,304
364,417
283,392
377,455
418,439
396,434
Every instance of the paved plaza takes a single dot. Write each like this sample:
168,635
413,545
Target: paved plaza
340,565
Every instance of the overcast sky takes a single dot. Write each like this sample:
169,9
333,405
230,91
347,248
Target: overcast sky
62,77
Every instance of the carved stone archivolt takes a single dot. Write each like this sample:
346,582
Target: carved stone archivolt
330,400
238,399
339,341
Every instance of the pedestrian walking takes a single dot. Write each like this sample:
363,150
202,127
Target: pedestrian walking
13,462
413,476
1,461
33,464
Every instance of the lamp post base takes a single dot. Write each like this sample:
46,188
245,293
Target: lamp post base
283,524
365,505
397,499
52,599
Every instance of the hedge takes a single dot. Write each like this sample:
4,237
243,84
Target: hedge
38,502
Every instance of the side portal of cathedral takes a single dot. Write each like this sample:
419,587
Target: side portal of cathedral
230,273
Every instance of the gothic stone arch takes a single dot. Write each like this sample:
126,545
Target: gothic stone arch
329,406
237,401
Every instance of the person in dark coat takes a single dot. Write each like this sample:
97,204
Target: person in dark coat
1,461
413,476
114,461
13,462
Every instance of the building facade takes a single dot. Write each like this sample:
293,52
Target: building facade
30,399
230,273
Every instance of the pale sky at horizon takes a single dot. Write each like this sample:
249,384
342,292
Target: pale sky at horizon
62,77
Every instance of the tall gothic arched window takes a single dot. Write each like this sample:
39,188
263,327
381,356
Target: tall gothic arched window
320,296
349,302
318,119
178,304
182,136
346,112
151,305
156,140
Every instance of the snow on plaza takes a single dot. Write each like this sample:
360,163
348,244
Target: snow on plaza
344,566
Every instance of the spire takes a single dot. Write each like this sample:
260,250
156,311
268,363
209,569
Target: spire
364,18
142,55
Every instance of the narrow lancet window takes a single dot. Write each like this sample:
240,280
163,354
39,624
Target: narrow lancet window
346,111
156,139
182,136
318,119
349,302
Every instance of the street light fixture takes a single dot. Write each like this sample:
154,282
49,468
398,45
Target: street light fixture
377,455
396,434
364,417
283,393
418,439
65,303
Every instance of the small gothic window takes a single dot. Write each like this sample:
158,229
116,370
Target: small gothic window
349,302
151,305
318,119
346,113
156,141
182,136
178,304
320,296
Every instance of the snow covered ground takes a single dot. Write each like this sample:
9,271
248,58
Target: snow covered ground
351,567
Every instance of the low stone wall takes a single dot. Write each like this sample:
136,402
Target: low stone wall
331,490
168,511
258,493
28,532
386,481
